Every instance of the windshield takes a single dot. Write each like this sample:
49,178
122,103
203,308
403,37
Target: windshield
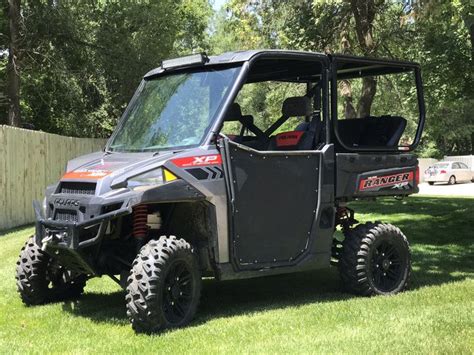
172,111
441,165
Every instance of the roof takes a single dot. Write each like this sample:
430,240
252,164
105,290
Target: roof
348,66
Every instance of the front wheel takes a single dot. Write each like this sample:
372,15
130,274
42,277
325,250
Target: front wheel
41,279
375,260
452,180
431,182
164,286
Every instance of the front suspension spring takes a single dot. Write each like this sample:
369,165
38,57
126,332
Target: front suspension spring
140,215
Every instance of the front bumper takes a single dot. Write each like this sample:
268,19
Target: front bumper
72,242
67,240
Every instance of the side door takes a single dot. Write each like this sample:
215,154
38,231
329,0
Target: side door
274,202
466,172
458,171
455,171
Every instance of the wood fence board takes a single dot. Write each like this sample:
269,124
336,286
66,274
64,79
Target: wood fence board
30,161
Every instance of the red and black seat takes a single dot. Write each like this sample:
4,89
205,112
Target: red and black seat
304,135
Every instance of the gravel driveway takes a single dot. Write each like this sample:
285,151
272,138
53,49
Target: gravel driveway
461,189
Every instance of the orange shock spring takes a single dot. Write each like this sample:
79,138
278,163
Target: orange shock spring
140,227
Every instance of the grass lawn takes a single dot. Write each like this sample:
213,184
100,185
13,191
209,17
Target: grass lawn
302,313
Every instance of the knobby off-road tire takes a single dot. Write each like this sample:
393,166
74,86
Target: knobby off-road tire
164,286
336,251
375,260
40,279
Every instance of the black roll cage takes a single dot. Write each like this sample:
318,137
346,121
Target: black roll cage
370,67
243,76
356,67
362,67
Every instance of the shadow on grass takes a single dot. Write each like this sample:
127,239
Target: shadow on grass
442,248
227,298
5,232
440,231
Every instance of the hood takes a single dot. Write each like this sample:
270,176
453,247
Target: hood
113,169
97,165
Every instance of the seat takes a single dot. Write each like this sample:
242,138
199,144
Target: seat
234,114
303,137
384,131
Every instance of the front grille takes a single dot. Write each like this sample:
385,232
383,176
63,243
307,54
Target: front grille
77,188
65,216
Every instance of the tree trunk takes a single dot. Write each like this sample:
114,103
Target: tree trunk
364,14
13,69
346,92
345,87
471,34
369,88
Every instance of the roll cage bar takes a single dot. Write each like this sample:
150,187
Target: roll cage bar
333,68
359,67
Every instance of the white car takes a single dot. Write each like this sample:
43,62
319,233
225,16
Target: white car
448,171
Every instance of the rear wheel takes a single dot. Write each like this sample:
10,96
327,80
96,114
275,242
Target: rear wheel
41,279
164,286
431,183
375,260
452,180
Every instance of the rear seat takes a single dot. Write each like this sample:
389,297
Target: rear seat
384,131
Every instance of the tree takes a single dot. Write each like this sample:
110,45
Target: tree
4,40
13,68
444,48
81,61
364,12
436,34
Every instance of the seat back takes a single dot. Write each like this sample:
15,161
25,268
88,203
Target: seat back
234,113
384,131
302,138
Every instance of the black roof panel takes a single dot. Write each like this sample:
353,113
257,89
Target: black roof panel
348,66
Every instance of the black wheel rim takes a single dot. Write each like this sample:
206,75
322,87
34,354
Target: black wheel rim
54,274
177,292
387,266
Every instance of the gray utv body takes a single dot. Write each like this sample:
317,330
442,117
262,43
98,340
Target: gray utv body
247,206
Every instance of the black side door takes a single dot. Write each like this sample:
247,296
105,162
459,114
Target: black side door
273,201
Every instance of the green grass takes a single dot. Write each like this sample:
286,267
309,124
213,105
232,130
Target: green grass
303,313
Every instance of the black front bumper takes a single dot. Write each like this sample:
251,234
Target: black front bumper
67,241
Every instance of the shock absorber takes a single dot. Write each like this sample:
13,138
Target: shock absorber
140,227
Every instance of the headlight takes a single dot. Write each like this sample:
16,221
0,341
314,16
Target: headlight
151,178
45,207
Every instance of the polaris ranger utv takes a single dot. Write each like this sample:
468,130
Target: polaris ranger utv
175,196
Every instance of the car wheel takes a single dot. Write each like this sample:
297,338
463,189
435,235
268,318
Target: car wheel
431,183
452,180
41,279
375,260
164,286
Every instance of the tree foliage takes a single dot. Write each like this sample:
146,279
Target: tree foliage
438,35
81,61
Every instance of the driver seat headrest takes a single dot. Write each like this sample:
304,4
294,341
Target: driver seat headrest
297,106
234,113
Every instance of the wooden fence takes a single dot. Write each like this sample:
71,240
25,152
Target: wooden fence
30,161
